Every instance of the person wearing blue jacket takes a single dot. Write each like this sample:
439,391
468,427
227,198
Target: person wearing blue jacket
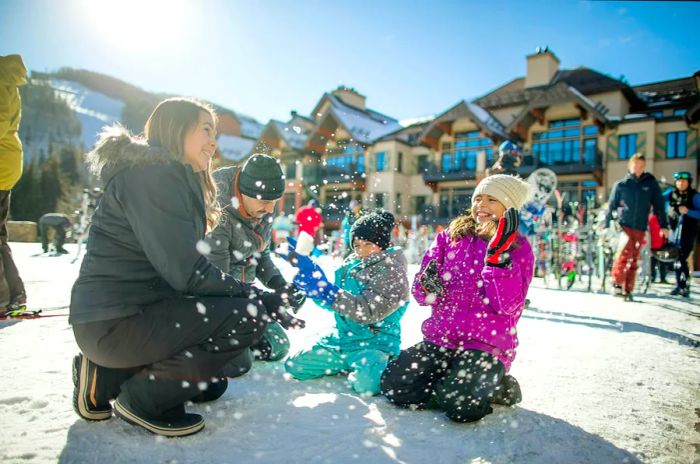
630,201
369,298
684,217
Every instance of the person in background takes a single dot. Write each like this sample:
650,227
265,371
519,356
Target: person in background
684,217
13,75
630,201
60,223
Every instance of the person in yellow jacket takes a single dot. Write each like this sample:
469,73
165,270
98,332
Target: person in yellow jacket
12,75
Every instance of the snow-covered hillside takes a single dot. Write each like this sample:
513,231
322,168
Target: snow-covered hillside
603,381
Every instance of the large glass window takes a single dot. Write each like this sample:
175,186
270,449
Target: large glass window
398,203
379,199
399,163
676,144
446,162
454,202
466,149
627,146
380,159
423,163
565,142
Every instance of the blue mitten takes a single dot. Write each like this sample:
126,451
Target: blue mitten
310,279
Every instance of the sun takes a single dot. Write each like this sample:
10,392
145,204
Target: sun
136,26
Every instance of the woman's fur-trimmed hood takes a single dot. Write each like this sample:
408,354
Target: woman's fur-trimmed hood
117,150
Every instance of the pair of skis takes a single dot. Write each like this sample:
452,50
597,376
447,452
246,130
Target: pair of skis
22,312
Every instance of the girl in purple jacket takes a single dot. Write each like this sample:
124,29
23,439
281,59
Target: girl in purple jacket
475,277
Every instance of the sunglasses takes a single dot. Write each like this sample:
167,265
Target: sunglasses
681,175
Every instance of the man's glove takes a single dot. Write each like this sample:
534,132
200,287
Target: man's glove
497,251
275,307
294,296
430,281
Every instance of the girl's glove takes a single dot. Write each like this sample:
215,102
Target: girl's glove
496,254
430,281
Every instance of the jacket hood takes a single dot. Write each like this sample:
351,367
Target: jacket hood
117,150
224,183
12,70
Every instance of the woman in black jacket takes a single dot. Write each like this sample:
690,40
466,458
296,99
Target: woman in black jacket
155,321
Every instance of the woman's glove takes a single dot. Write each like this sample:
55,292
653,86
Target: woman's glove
430,281
496,254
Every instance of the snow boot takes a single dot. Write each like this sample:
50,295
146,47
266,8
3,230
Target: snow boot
617,290
629,297
213,391
90,400
508,392
157,405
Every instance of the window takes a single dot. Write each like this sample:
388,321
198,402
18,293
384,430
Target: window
627,146
419,205
676,144
454,202
290,170
657,114
680,112
467,147
398,203
399,163
380,161
379,199
423,163
566,142
345,164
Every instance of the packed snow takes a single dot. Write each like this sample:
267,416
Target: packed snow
603,381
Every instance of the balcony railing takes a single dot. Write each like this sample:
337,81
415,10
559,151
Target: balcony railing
336,174
434,173
587,164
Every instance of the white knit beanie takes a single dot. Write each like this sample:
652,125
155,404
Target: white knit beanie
512,191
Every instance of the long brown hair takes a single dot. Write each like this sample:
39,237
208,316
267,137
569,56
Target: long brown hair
167,127
466,225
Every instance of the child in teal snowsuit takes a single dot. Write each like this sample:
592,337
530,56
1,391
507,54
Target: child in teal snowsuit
369,299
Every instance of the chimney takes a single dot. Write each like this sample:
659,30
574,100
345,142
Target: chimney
350,96
541,67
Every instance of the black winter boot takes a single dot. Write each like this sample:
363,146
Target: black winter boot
508,392
213,392
94,387
157,405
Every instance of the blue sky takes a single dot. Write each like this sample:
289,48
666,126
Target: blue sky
410,58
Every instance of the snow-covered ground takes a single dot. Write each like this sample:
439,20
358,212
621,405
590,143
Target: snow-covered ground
603,381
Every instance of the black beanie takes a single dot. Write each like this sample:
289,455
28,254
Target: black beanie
261,177
374,227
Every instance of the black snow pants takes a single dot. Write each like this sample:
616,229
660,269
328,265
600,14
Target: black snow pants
460,382
165,355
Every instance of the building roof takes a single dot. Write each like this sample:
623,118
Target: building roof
587,81
558,93
481,117
674,92
293,135
234,148
365,126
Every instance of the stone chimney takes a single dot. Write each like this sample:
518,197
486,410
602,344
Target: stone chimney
541,67
350,96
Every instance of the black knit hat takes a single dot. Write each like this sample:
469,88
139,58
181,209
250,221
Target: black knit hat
374,227
261,177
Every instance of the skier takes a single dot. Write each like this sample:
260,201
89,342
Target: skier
155,320
240,244
683,215
630,201
509,159
59,223
368,299
13,74
475,276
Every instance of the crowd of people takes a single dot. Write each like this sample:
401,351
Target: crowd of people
178,291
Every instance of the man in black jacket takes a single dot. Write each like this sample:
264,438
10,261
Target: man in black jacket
630,201
59,223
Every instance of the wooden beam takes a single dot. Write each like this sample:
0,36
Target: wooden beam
582,111
327,133
538,114
445,126
432,142
317,147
